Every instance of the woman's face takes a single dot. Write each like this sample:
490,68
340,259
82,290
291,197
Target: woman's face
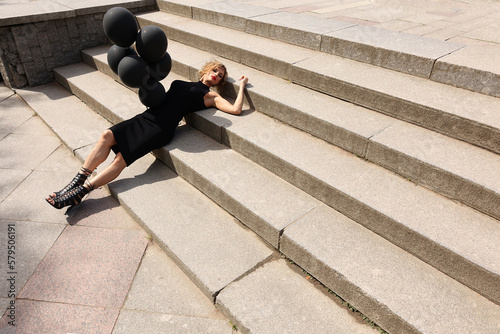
215,76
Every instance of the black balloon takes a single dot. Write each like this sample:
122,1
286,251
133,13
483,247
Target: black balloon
120,26
151,43
161,68
152,94
133,71
116,54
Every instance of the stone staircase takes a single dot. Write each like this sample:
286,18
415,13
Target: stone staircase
379,182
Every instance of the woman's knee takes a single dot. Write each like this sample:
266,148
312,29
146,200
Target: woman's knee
108,137
120,160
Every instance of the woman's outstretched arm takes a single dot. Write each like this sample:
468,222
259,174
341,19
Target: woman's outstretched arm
213,99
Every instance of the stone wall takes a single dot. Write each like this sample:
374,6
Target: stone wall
11,66
31,49
29,52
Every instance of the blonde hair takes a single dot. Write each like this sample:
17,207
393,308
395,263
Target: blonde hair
213,64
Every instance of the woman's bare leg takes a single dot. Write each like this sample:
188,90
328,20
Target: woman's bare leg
100,151
97,156
110,173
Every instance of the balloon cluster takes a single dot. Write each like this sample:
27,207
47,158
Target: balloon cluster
143,68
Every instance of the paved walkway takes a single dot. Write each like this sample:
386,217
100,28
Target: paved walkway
93,263
468,22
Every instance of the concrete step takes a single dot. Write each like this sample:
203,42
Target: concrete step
288,152
440,61
448,166
248,191
397,209
207,243
261,303
182,216
400,293
442,108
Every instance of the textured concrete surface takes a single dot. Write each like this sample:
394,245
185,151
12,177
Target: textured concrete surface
264,202
474,68
48,318
159,280
327,242
74,270
224,250
367,193
399,35
275,299
394,50
48,105
471,24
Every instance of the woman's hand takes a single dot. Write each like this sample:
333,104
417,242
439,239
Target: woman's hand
243,80
213,99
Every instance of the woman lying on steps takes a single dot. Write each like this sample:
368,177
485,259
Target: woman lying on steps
153,129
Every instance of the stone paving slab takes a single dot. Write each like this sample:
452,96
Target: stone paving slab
33,127
83,267
293,28
10,179
49,318
26,150
33,241
132,322
26,12
228,14
61,160
19,12
275,299
53,103
159,280
4,303
475,68
14,113
394,50
33,190
5,92
101,210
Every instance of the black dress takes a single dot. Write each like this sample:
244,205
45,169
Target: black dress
155,127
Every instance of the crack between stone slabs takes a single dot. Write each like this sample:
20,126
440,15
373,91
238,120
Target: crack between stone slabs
273,257
368,140
292,223
13,93
66,303
435,61
172,314
259,15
